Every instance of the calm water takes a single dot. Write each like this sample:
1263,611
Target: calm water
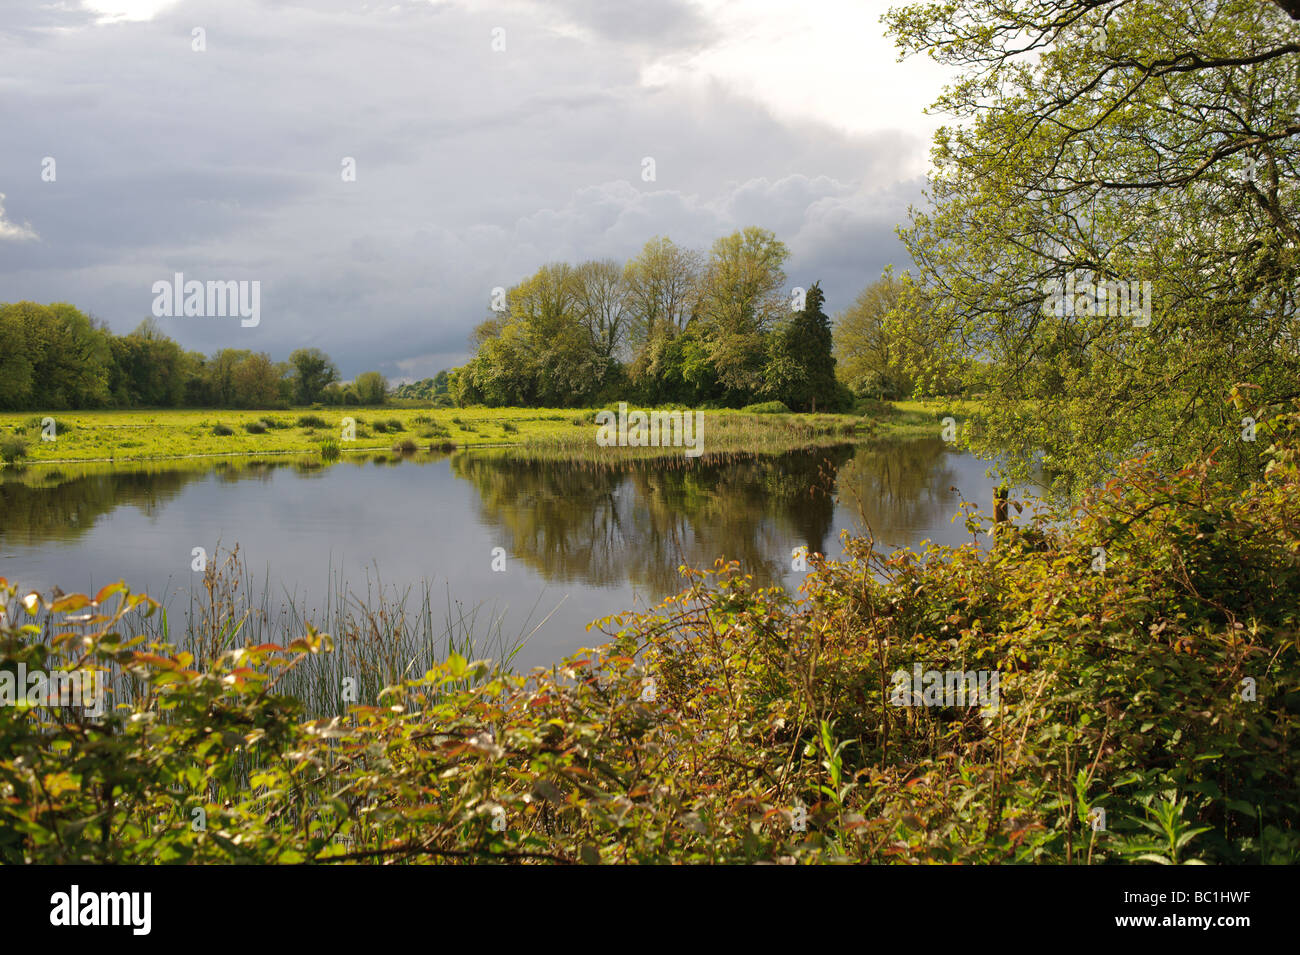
581,542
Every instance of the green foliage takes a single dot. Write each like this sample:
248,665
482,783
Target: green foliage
371,388
221,431
871,358
56,357
669,327
1112,229
255,427
329,449
312,372
1122,689
312,421
766,407
53,357
800,367
34,425
12,448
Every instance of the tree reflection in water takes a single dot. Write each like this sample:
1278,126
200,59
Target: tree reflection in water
638,520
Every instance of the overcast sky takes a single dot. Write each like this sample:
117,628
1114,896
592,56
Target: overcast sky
473,166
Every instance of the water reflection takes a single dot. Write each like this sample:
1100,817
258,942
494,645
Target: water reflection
895,487
641,520
596,538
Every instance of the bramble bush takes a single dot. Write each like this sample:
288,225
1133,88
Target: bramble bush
735,723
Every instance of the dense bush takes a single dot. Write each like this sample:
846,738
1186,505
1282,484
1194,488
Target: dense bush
35,425
12,447
739,724
221,431
767,407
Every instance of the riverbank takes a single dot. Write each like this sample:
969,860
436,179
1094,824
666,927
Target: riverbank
1015,705
143,435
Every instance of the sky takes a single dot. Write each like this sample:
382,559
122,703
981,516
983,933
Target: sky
488,138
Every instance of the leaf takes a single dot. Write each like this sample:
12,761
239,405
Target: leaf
109,590
69,603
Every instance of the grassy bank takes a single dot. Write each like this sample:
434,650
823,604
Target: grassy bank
143,435
170,433
915,417
1145,710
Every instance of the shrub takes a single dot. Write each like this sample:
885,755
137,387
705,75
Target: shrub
12,447
33,425
329,449
221,431
406,446
767,407
380,427
509,427
312,421
255,427
395,424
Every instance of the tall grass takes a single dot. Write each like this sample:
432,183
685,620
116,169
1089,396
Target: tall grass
723,432
381,635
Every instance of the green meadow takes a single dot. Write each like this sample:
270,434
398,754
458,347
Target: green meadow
140,435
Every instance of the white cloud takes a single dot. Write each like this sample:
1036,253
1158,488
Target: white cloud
12,230
827,61
127,9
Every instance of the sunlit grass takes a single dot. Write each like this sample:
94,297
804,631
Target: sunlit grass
116,436
119,436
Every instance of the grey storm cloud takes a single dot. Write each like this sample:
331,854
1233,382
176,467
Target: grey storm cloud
474,167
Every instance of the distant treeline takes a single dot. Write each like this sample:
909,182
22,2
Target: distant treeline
671,325
54,356
435,391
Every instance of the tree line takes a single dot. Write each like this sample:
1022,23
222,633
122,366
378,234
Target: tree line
55,357
671,325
